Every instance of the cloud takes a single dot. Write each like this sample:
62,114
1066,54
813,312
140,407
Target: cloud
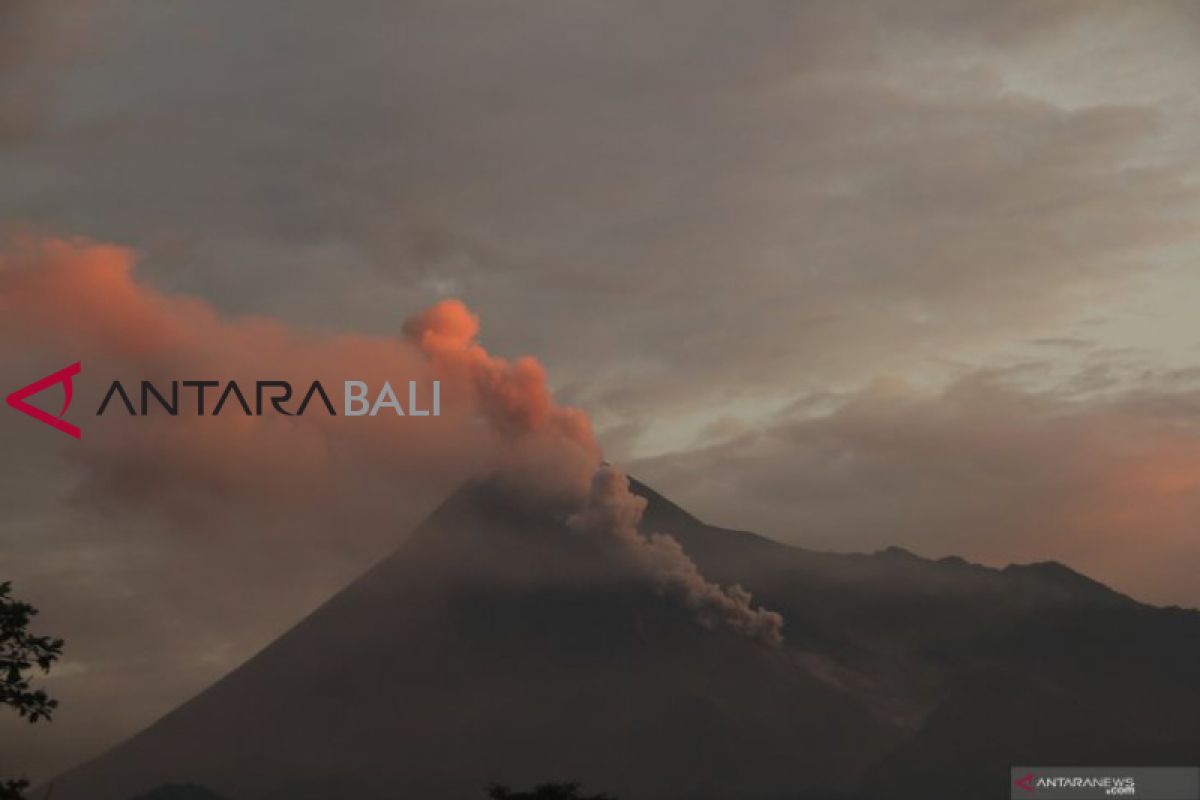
847,187
985,468
36,44
77,300
501,417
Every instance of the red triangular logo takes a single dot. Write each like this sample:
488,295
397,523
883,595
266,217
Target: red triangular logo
63,376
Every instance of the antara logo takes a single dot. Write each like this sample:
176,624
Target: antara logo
211,398
17,400
271,397
1025,782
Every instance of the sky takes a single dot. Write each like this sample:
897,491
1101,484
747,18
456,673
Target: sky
847,274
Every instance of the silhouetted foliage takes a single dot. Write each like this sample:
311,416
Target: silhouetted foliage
545,791
21,653
13,790
179,791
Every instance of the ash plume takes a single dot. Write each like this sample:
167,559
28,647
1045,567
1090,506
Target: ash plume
515,397
80,299
612,510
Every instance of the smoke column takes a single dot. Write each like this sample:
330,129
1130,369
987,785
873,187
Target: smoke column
612,510
515,398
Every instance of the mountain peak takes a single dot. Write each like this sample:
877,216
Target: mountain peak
660,511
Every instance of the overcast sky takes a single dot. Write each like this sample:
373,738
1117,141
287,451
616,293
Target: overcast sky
847,274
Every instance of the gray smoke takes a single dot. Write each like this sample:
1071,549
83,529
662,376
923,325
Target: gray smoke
612,510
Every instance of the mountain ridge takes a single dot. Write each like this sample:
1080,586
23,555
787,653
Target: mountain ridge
494,633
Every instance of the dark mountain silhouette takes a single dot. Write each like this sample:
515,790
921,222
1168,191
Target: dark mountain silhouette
496,646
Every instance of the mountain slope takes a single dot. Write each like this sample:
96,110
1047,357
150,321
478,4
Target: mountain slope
496,646
988,668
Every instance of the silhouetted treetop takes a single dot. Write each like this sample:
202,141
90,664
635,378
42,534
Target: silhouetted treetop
179,791
20,654
545,791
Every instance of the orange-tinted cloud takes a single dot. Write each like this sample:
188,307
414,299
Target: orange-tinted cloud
983,469
79,300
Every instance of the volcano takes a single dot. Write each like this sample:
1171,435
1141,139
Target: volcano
495,646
